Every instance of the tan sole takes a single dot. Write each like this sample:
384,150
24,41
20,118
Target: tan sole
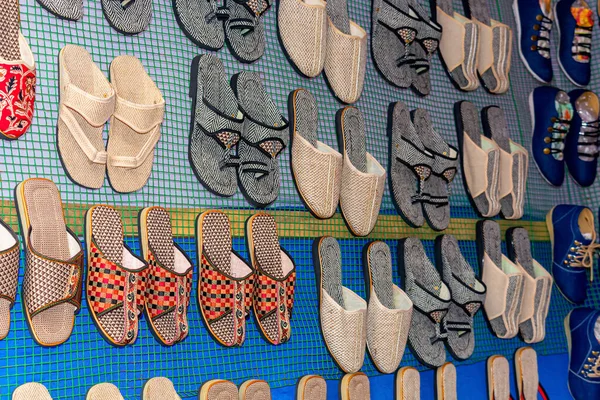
519,371
345,384
400,382
143,231
302,384
205,388
439,382
246,385
490,374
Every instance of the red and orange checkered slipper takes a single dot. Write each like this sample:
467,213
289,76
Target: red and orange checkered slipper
275,279
225,282
168,280
114,278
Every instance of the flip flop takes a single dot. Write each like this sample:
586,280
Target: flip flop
104,391
169,279
71,10
31,391
225,282
408,384
311,387
126,16
134,126
218,389
275,279
316,167
264,136
51,291
498,378
216,126
9,274
201,22
255,389
244,28
445,381
355,386
159,389
526,370
342,313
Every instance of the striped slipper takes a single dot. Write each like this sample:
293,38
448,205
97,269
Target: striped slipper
498,378
201,22
218,389
275,279
115,278
423,47
408,384
128,17
311,387
255,389
445,382
159,388
244,28
9,274
225,283
104,391
169,277
355,386
31,391
71,10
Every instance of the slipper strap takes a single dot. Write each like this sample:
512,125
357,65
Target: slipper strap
225,129
9,270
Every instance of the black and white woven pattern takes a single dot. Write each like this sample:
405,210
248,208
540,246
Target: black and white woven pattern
198,20
244,29
128,16
354,137
67,9
330,257
380,270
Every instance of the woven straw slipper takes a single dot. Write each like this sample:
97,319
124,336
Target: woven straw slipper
363,178
169,277
255,389
264,136
226,281
128,17
408,384
302,28
159,388
537,286
17,67
503,279
445,382
244,28
513,163
71,10
355,386
53,263
480,161
498,378
316,167
311,387
218,389
115,278
104,391
409,165
342,313
526,370
216,126
31,391
423,47
135,125
389,311
346,55
275,279
9,274
201,22
87,101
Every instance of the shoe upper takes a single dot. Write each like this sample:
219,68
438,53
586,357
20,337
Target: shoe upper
551,117
574,244
575,22
536,21
584,354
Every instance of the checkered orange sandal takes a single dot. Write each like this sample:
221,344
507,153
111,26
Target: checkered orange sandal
53,263
225,282
275,279
114,277
168,280
9,274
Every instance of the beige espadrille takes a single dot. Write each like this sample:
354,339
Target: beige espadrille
31,391
445,381
87,100
526,368
355,386
498,378
255,389
159,388
408,384
134,126
218,389
311,387
104,391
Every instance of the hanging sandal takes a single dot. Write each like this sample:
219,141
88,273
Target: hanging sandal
311,387
244,28
71,10
218,389
408,384
201,22
498,378
126,16
355,386
423,47
9,272
445,380
526,370
255,389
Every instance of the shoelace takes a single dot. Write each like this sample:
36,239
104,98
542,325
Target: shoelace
582,256
591,368
543,38
558,130
589,130
582,42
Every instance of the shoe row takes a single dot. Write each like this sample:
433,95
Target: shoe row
575,22
132,103
474,46
565,132
494,166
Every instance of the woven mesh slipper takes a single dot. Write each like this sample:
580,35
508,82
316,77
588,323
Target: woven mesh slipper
355,386
71,10
408,384
445,382
498,377
526,371
218,389
9,273
311,387
255,389
104,391
128,17
159,389
200,20
244,28
423,47
31,391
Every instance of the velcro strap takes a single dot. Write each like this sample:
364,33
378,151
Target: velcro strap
140,157
141,118
95,110
92,153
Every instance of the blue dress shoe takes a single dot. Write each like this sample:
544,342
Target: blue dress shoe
551,114
581,143
534,23
584,353
573,238
575,21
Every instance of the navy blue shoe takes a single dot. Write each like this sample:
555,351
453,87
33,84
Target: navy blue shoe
581,144
573,238
575,21
551,114
534,23
584,353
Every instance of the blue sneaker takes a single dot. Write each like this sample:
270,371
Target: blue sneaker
581,144
551,114
573,240
575,21
582,327
534,23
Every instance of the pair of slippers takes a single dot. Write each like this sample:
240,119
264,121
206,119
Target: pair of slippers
236,133
474,46
348,325
403,41
228,287
446,298
17,69
319,35
88,100
519,288
422,166
239,23
526,369
494,166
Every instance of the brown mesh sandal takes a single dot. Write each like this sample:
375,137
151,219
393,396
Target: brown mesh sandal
218,389
9,274
275,279
53,263
169,277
